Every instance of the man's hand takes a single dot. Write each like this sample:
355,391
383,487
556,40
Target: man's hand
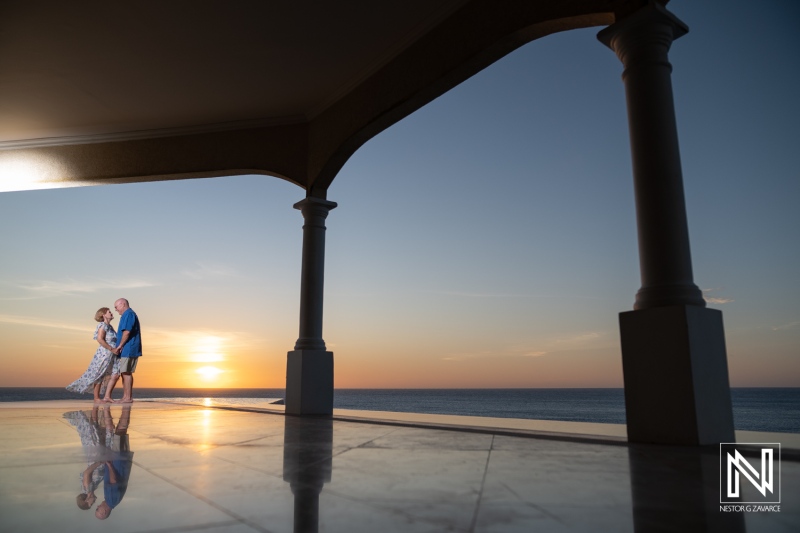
123,339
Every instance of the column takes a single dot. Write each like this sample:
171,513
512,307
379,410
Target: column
307,466
673,348
309,367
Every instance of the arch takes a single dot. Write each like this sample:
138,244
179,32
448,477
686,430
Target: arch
404,97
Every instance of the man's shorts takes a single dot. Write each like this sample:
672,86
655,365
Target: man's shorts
127,364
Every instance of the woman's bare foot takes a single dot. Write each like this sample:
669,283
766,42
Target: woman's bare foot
107,400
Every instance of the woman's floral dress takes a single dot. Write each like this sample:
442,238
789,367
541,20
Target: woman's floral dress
96,442
104,363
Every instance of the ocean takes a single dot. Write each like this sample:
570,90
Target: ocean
754,409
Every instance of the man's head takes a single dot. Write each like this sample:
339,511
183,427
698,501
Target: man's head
103,511
121,305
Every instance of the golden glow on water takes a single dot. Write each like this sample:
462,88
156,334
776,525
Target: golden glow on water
205,442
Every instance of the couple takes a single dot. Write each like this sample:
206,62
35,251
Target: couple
108,457
112,359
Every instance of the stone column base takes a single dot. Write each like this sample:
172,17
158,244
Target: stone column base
676,376
309,382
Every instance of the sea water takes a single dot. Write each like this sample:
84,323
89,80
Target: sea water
754,409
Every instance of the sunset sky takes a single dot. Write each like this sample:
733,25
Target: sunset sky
488,240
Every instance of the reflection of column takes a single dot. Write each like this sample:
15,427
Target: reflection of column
673,349
677,489
309,367
307,465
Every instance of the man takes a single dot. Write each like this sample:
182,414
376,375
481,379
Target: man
129,348
118,468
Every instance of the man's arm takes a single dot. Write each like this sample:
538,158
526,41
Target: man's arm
125,335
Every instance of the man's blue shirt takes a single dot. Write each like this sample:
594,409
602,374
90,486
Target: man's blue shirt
113,492
130,322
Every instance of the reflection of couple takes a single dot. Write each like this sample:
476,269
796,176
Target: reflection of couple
108,457
112,358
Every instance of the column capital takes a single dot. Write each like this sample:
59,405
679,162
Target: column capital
318,205
652,24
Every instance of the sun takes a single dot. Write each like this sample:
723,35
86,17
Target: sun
209,373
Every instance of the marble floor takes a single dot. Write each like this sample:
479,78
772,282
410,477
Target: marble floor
222,468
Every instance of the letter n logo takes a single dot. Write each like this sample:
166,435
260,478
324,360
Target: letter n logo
735,468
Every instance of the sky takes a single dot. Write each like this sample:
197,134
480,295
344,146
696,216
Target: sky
488,240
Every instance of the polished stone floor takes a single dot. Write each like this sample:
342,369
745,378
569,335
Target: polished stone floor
220,468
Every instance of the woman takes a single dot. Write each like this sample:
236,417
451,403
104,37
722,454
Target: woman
96,440
104,363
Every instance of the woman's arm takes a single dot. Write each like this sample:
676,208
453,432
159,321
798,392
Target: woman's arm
87,474
101,339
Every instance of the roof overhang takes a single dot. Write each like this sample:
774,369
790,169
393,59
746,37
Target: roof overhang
102,92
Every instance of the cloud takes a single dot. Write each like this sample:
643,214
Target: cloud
195,346
715,299
487,294
70,287
509,352
579,338
57,347
39,323
792,325
209,270
164,345
464,294
467,356
550,347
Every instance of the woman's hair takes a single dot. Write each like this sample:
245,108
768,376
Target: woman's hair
98,316
82,503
